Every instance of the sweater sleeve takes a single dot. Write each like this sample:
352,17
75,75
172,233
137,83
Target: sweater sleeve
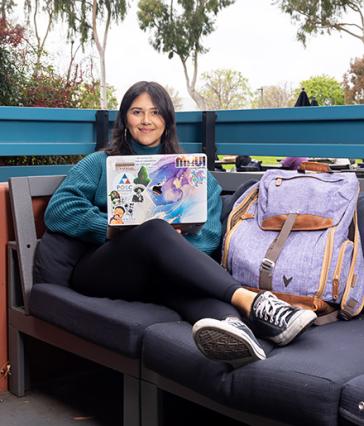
72,209
209,237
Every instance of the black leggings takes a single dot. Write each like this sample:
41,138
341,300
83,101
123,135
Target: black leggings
153,263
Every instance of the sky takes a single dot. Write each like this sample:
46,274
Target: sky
253,37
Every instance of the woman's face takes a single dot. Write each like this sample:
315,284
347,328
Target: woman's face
144,122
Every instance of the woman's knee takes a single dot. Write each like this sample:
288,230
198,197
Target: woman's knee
156,228
147,235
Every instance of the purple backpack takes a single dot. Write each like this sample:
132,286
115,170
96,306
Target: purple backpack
297,235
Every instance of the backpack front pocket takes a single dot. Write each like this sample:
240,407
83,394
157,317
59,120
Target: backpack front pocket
319,201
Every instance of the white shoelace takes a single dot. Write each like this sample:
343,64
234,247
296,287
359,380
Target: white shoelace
273,310
236,322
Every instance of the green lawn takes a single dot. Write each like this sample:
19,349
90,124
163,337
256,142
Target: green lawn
268,160
264,160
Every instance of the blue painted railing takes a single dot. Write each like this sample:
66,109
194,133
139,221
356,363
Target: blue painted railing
311,131
306,131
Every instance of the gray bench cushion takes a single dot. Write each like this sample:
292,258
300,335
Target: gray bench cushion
352,401
299,384
114,324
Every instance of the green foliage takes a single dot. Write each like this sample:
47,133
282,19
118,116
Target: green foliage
12,70
354,82
178,26
317,17
225,89
89,96
327,90
78,14
10,78
82,18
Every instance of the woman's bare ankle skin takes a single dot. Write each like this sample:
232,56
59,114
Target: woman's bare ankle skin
243,300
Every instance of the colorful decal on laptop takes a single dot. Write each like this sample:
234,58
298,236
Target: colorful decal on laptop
169,187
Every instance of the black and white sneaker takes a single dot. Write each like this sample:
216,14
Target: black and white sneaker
274,319
229,340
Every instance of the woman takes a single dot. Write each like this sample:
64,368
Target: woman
158,263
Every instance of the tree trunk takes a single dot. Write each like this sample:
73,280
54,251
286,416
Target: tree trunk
191,86
70,65
197,98
103,97
40,42
101,50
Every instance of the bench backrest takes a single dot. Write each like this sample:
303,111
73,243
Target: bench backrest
29,197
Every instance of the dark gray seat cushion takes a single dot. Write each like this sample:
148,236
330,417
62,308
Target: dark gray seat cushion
352,401
299,384
114,324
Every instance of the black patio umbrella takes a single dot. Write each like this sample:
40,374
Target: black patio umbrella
302,99
293,163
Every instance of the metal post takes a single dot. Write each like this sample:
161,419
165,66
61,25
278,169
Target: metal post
261,90
131,409
151,405
208,137
19,372
102,129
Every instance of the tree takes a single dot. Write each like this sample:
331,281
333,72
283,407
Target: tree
225,89
280,96
6,6
89,96
32,8
322,16
48,89
178,27
354,82
37,33
12,69
326,90
20,85
176,98
82,18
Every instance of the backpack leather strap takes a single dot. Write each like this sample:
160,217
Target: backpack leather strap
268,264
327,318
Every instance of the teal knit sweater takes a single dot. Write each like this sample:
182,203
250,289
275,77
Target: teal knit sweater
79,206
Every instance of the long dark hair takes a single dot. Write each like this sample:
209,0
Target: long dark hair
121,138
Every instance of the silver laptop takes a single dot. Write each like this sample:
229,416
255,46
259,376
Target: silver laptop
172,187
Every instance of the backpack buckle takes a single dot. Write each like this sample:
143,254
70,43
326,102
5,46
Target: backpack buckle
267,265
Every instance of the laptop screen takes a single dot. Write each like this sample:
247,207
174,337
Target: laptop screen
172,187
